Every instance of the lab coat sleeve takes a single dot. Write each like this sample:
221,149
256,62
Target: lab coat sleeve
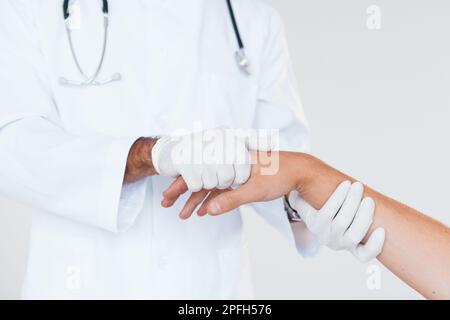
279,108
78,177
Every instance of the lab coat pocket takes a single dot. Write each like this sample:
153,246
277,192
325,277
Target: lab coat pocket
227,101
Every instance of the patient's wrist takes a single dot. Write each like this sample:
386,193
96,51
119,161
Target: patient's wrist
305,168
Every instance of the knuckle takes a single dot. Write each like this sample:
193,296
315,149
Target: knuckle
230,200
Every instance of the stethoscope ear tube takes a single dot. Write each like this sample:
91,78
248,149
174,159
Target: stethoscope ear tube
105,7
66,12
66,9
88,80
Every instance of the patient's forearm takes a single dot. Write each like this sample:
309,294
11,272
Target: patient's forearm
417,248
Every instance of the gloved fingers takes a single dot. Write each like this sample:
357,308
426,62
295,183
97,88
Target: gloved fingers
242,165
304,209
332,206
310,216
372,248
161,154
347,213
194,200
225,176
307,212
209,177
242,174
192,175
361,224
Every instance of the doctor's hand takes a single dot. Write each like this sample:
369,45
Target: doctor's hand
344,221
212,159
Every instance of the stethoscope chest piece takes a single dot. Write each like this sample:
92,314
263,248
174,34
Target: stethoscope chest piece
240,55
242,61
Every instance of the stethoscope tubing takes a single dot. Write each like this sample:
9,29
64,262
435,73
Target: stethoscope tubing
240,54
235,25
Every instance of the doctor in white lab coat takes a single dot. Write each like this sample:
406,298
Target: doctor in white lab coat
63,150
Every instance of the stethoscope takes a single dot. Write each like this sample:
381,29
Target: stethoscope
240,55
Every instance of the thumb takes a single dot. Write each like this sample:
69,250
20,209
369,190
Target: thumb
303,208
231,200
373,246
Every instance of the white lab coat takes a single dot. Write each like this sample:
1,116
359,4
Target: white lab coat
63,150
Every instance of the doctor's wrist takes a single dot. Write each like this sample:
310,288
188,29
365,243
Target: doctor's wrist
139,162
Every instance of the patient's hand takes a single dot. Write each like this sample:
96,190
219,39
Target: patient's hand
200,198
268,181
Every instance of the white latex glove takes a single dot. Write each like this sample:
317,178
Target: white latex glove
216,158
344,221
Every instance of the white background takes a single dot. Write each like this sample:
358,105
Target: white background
378,102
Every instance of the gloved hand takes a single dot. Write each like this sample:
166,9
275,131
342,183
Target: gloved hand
344,221
216,158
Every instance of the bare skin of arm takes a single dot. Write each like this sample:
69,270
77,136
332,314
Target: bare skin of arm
417,248
139,162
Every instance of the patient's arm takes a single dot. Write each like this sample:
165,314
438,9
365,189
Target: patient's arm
417,248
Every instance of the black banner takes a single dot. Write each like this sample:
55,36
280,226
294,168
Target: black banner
198,309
